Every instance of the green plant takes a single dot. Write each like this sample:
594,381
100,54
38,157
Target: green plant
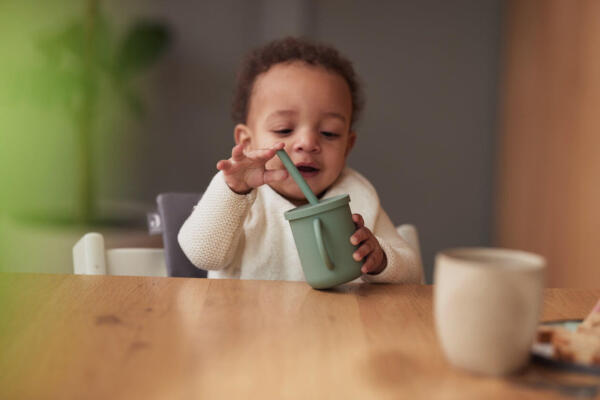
78,58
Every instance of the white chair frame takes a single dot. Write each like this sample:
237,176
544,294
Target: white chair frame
90,257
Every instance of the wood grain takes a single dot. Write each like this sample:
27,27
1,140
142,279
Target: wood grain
547,194
102,337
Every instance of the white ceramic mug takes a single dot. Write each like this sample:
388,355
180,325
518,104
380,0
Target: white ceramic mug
487,303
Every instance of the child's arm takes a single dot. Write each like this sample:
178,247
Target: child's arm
399,260
211,234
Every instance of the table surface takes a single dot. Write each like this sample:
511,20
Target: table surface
68,336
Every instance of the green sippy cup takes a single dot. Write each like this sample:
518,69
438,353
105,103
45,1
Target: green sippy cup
322,231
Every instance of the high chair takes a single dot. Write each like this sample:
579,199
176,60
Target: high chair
90,257
174,209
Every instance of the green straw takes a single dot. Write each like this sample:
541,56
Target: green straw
297,177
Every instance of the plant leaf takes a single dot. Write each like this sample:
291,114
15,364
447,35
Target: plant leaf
141,47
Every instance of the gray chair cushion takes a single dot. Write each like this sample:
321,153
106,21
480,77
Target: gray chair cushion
174,209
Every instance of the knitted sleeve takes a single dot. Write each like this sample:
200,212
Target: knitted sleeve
402,265
210,235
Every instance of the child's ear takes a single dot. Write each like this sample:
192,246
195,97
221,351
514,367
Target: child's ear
241,134
351,140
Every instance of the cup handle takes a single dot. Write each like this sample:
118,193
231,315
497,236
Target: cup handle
321,243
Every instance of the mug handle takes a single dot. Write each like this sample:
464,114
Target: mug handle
321,243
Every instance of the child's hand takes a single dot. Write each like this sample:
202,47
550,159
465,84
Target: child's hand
246,170
370,248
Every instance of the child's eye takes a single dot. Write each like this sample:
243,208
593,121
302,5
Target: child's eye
329,134
283,131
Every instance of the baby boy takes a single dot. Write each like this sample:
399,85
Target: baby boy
303,97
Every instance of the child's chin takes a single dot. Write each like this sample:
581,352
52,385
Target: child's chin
292,194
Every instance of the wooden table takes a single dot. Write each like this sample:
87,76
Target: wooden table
102,337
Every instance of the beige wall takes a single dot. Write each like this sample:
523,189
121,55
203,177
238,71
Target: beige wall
548,186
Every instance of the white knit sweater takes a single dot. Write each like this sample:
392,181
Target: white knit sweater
247,236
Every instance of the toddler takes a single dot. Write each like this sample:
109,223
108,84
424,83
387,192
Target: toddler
303,97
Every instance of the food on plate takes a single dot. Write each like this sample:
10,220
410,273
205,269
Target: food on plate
580,346
591,324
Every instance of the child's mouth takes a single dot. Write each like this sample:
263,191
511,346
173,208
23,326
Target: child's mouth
307,171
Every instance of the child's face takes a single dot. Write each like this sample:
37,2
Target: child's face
309,109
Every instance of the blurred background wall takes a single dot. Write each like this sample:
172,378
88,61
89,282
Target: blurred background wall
426,140
479,125
430,73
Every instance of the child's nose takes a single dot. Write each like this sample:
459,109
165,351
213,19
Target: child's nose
307,141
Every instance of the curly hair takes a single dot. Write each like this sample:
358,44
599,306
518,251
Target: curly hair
287,50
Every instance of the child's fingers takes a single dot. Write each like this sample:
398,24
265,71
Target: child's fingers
358,220
360,235
237,153
363,251
373,262
368,266
371,265
275,175
262,155
266,154
224,165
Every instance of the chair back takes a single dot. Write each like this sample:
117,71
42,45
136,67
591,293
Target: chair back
411,236
174,209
